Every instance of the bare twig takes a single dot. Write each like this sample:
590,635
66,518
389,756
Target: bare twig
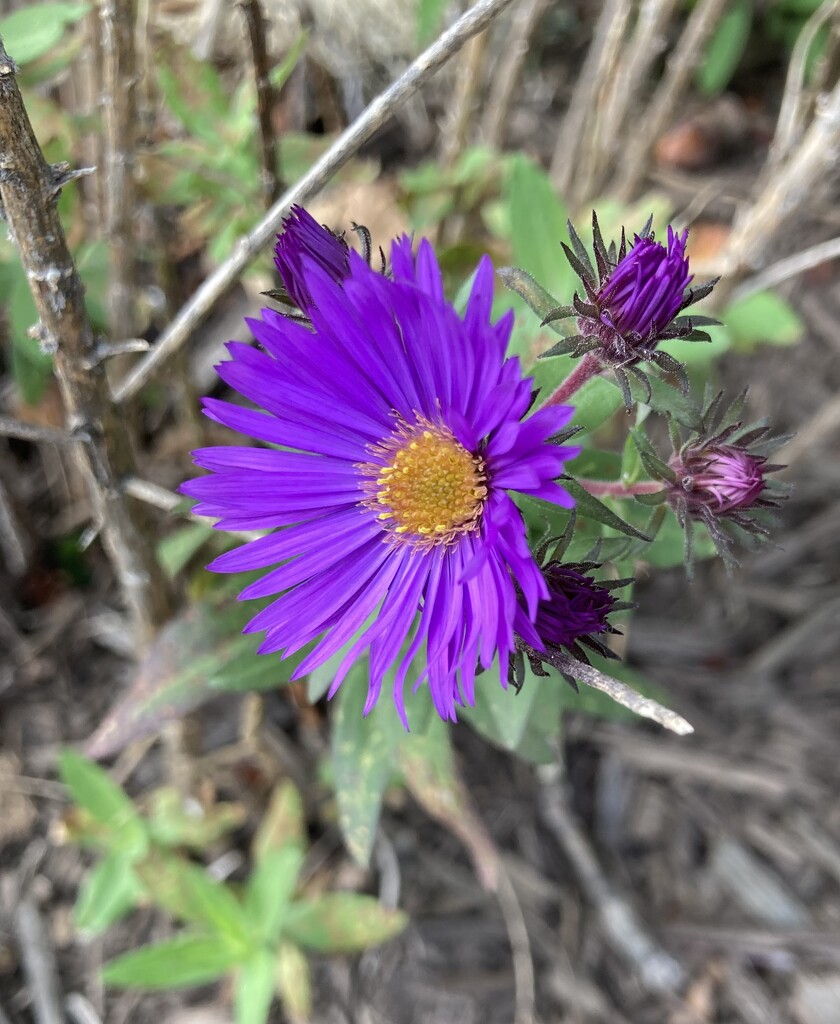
790,124
657,970
520,947
468,78
593,73
38,963
620,692
685,57
28,194
792,266
15,544
205,37
506,75
40,435
345,147
785,190
119,77
168,501
255,20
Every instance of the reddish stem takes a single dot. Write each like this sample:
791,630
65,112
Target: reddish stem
616,489
589,366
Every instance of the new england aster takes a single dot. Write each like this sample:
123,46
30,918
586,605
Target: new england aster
631,302
401,429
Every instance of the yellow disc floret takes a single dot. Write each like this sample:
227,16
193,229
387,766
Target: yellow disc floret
431,489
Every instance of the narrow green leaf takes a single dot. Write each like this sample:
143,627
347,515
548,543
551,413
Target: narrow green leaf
269,891
363,754
34,30
176,550
283,824
429,17
588,505
176,963
342,922
172,822
763,318
254,989
109,891
595,402
663,399
294,983
725,48
94,790
533,294
188,892
279,75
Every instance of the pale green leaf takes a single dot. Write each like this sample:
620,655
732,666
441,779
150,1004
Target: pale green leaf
176,963
93,789
342,922
109,891
254,989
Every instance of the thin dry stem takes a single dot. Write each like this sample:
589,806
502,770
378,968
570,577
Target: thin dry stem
787,268
793,112
655,969
685,57
39,963
594,72
506,74
10,427
520,947
28,191
255,21
119,78
468,78
342,150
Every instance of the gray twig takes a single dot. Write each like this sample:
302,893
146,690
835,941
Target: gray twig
39,963
345,147
40,435
26,190
119,78
506,75
255,20
520,947
657,970
468,78
789,267
685,57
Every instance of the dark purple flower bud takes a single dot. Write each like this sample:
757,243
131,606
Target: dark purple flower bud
632,300
303,236
645,292
723,478
576,607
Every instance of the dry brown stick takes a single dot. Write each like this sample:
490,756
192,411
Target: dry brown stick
595,68
41,435
789,267
28,191
657,970
343,149
506,74
468,80
685,57
119,78
255,21
39,963
520,947
648,41
791,121
785,190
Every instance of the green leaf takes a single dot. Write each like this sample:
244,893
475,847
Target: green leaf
195,657
526,723
429,18
176,963
283,824
588,505
174,822
342,922
34,30
362,754
538,223
269,891
594,403
254,989
109,891
532,293
663,399
93,789
294,983
725,48
764,317
279,75
188,892
176,550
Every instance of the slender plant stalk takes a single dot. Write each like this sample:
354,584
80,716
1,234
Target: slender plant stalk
468,79
28,189
682,62
590,366
616,489
255,21
119,77
343,149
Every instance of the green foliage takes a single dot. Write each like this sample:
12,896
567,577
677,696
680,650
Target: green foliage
36,30
429,17
762,318
725,48
256,932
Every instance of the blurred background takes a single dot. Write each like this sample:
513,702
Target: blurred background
639,878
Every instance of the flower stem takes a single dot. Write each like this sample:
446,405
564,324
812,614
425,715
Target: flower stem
588,367
616,489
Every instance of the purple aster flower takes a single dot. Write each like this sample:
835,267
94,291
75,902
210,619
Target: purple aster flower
631,302
401,430
302,238
722,478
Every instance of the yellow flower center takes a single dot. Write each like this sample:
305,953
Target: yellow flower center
431,490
